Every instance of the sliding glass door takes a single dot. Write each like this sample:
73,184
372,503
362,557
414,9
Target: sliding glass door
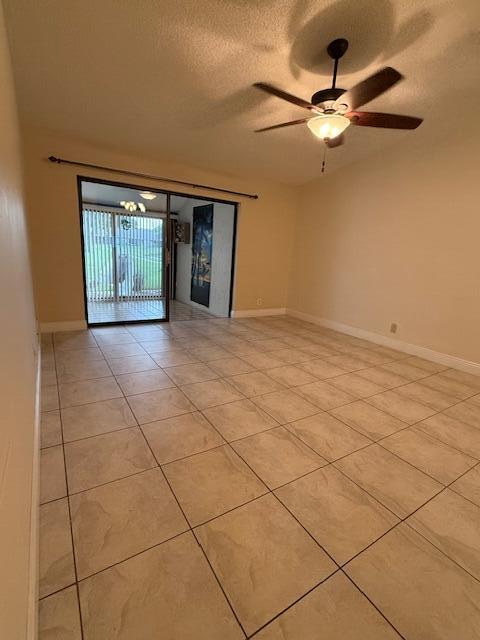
124,264
139,247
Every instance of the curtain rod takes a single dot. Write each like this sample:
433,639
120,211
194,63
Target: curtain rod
150,177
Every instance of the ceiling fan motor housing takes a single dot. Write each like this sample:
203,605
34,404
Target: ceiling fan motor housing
327,95
335,50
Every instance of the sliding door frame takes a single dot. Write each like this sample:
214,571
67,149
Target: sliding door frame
168,253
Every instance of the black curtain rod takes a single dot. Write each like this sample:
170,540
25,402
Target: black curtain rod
150,177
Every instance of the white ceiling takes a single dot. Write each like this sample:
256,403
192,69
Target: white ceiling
110,195
173,79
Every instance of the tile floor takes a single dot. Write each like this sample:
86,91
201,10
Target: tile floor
267,478
142,310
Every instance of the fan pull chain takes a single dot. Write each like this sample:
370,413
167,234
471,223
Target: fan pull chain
324,154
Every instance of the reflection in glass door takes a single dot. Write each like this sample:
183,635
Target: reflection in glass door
124,261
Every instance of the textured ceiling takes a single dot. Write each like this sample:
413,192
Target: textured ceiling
173,78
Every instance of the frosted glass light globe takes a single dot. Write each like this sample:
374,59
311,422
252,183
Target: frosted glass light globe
328,126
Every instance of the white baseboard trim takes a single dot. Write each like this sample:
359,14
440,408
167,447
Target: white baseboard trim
69,325
393,343
256,313
32,616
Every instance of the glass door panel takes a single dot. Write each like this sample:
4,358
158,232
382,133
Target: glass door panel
140,245
125,264
98,249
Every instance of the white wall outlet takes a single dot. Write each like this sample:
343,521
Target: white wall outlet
393,327
259,302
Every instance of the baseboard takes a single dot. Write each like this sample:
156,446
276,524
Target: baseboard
32,620
256,313
393,343
69,325
202,307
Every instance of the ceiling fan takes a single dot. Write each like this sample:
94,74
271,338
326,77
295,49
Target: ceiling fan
334,109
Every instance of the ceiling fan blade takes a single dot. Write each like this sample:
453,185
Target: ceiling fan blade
370,88
279,93
383,120
283,124
335,142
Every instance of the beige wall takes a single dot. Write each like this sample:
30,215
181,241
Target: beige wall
391,240
18,439
396,239
265,226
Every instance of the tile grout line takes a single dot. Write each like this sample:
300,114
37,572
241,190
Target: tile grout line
193,533
268,491
404,520
456,492
400,520
328,410
349,426
77,590
321,410
184,515
133,555
326,380
446,488
280,613
339,567
372,603
407,426
284,425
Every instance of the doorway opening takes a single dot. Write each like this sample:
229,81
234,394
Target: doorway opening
203,258
153,256
125,253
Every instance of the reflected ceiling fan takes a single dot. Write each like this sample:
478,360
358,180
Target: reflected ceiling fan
334,109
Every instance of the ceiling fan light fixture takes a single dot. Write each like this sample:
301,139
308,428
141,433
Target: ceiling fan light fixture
128,205
148,195
328,126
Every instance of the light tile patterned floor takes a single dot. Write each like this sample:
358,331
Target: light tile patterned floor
221,479
133,310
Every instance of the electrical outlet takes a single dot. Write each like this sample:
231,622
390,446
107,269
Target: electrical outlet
393,327
259,302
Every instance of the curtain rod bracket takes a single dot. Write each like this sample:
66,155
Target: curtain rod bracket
150,177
